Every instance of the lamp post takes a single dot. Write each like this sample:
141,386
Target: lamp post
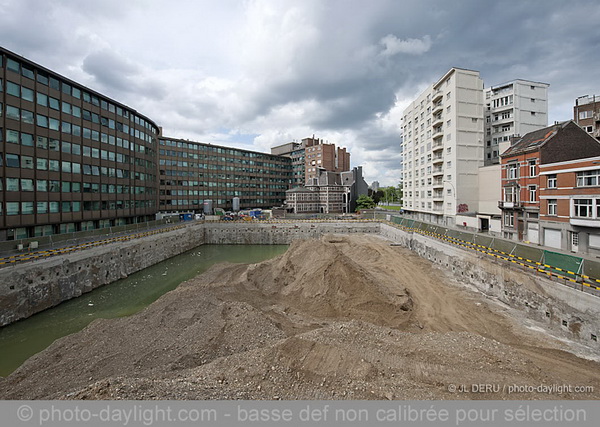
454,190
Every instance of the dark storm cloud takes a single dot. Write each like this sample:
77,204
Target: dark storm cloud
111,70
338,67
41,35
118,75
503,41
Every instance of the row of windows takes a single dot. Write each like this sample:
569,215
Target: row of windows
584,179
183,202
169,172
194,156
585,208
588,178
582,208
53,186
28,208
47,80
212,177
53,144
500,102
26,116
233,193
232,164
215,149
212,184
513,169
67,127
201,192
43,164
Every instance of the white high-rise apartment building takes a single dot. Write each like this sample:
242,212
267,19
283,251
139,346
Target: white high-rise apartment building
513,109
442,148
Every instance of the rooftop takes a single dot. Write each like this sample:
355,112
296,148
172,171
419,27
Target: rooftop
533,140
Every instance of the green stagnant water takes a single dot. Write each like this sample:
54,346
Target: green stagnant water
24,338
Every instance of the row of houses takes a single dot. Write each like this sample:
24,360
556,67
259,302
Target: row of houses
486,159
551,189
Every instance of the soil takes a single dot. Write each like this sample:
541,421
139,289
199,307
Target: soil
344,317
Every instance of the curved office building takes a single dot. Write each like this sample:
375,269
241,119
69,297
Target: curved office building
71,159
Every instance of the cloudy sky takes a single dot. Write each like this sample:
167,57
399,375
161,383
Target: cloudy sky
258,73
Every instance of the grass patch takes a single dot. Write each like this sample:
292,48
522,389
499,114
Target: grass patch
390,208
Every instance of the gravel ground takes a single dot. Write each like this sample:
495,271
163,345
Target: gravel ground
344,317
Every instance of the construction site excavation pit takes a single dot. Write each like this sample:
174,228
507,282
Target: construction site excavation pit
340,317
24,338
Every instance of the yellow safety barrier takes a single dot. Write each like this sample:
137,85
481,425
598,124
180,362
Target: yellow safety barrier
67,249
508,257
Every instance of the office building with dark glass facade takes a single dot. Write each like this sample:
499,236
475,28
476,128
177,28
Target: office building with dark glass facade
71,159
191,172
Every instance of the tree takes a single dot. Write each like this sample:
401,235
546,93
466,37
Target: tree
391,194
364,202
377,196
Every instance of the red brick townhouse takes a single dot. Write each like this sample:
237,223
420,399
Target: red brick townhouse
551,189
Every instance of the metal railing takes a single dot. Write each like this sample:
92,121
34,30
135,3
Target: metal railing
66,239
577,272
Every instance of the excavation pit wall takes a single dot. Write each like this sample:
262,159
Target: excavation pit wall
561,307
29,288
26,289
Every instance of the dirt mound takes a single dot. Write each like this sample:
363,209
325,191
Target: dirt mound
340,318
319,282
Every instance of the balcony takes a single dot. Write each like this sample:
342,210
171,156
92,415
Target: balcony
509,205
438,159
438,196
585,222
502,121
437,133
437,95
437,120
438,183
438,146
438,171
437,108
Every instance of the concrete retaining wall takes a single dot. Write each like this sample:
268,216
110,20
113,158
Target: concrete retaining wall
26,289
279,233
541,298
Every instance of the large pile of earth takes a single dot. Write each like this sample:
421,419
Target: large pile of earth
337,318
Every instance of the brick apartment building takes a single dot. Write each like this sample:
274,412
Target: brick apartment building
586,114
311,156
320,155
570,205
551,192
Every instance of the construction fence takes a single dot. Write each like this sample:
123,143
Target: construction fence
572,269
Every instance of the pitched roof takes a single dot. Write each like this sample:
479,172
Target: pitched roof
533,140
557,143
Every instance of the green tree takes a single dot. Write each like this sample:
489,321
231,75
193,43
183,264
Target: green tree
391,194
377,196
364,202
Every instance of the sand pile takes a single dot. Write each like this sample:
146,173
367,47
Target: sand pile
340,318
